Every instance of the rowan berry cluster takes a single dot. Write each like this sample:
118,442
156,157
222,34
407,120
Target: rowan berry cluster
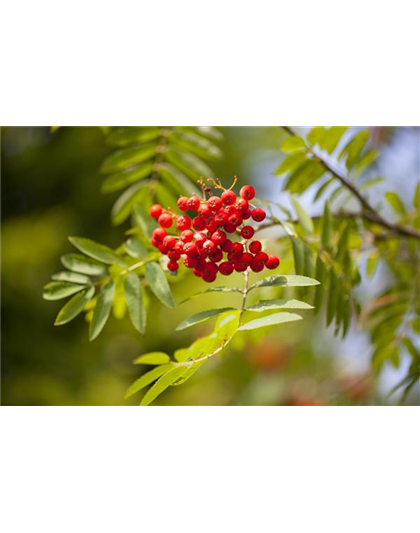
202,239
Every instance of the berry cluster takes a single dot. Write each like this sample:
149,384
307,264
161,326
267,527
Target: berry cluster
202,239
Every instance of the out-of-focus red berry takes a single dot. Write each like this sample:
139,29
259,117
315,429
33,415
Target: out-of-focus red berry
183,222
190,249
247,192
228,197
169,241
204,210
261,258
247,214
190,261
182,203
159,234
258,214
219,237
172,266
174,255
165,220
255,247
155,211
187,236
226,246
272,262
209,246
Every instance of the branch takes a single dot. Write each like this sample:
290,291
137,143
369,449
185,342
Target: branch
369,212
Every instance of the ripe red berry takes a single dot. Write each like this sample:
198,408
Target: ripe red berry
235,220
182,203
199,223
215,203
220,218
193,203
174,255
246,259
165,220
247,192
258,214
255,247
247,232
183,222
209,246
163,249
190,262
247,214
169,241
204,210
239,267
242,205
261,258
187,236
159,234
230,228
209,278
227,246
219,237
256,267
155,211
179,247
228,197
200,238
172,266
226,268
237,249
272,262
211,268
197,272
190,249
211,226
216,255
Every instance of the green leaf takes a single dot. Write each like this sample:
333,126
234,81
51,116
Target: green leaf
304,176
102,309
322,189
309,255
368,158
153,358
211,289
298,254
291,163
198,349
177,180
416,198
143,220
71,277
163,383
316,135
57,290
415,324
269,305
148,378
128,157
371,182
292,143
123,179
202,317
320,274
122,208
414,352
285,281
135,248
327,231
227,325
189,164
332,297
97,251
304,219
395,202
74,307
371,264
188,374
193,143
159,284
84,265
354,148
270,320
133,295
331,138
129,135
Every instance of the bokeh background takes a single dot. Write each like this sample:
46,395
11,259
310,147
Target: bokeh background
50,189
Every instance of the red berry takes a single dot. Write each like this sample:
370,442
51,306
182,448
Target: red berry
247,232
172,266
165,220
255,247
193,203
209,246
216,255
209,278
174,255
246,259
179,247
226,268
272,262
182,203
242,205
215,203
261,258
183,222
190,262
199,223
211,226
219,237
211,268
159,234
258,214
204,210
235,220
155,211
247,192
239,267
163,249
187,235
220,218
197,272
169,241
226,246
237,249
200,238
228,197
190,249
247,214
230,228
256,267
